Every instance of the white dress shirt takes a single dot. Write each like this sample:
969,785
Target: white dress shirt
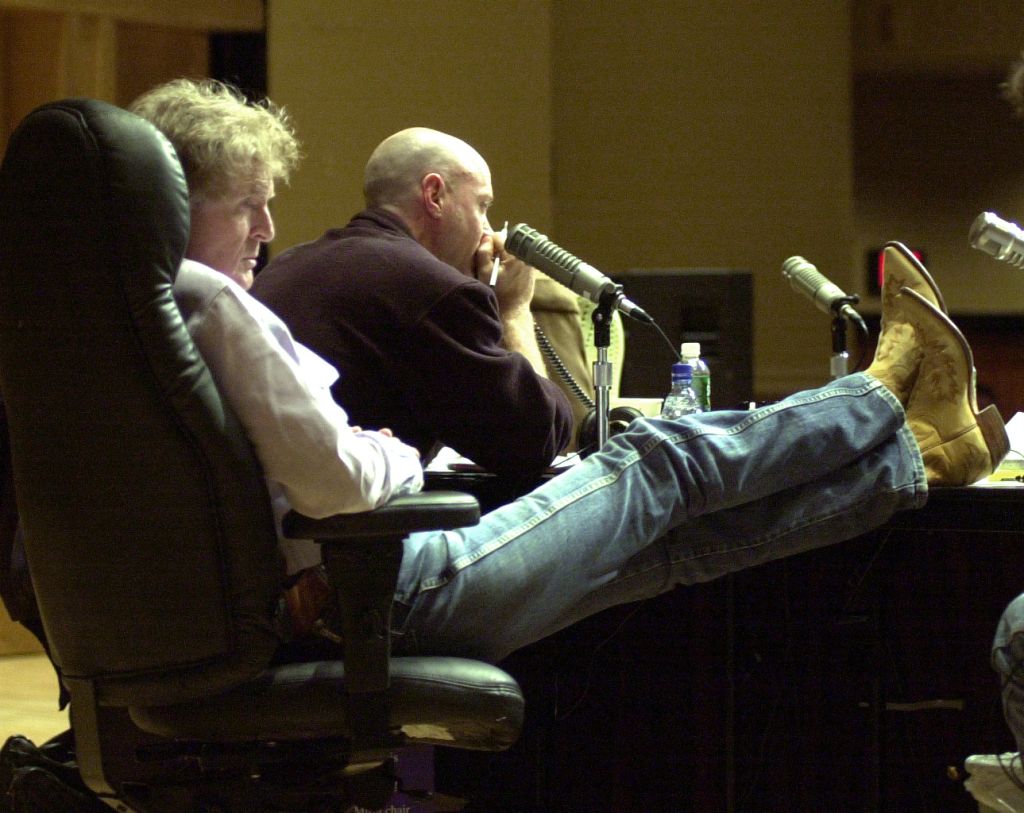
280,390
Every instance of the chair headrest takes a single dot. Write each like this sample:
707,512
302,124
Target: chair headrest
78,164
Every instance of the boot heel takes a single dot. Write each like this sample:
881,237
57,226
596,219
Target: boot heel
994,431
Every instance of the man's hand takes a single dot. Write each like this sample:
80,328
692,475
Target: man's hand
515,279
387,433
514,290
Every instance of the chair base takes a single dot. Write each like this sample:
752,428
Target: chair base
189,778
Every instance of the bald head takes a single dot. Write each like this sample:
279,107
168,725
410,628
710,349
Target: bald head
400,162
439,186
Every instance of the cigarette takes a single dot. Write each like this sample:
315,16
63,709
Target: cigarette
497,259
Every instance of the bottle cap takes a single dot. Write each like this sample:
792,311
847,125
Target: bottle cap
690,350
680,370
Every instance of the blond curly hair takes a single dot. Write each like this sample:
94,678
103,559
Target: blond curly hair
220,137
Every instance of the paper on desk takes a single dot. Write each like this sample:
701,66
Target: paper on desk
1015,431
443,459
1011,470
447,460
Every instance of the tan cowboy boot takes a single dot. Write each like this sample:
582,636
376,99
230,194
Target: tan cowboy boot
904,270
959,444
898,355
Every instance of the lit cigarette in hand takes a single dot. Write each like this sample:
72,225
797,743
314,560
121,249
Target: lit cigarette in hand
497,259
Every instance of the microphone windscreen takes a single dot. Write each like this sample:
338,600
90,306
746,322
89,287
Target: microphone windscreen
998,238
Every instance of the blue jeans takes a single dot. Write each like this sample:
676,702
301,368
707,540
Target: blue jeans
663,503
1008,661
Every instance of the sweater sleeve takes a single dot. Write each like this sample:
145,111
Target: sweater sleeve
485,402
301,436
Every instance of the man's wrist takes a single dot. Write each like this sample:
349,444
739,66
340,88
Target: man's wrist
518,314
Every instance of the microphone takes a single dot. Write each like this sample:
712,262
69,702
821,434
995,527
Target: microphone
998,237
828,297
535,249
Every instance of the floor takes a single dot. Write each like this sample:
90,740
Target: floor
28,698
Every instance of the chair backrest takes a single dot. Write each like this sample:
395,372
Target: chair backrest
148,527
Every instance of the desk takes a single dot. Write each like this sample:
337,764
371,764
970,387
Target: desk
850,678
981,508
883,644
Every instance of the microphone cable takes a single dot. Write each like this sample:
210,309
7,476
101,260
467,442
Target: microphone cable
668,341
558,367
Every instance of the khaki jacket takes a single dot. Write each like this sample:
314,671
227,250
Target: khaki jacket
565,319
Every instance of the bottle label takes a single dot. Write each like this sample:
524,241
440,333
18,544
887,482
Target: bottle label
702,386
701,381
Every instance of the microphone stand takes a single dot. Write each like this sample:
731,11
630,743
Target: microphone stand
602,319
838,363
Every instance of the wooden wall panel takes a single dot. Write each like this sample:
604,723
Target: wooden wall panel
222,15
31,67
148,55
87,56
106,49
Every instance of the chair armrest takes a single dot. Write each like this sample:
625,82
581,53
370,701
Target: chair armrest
425,511
491,490
362,554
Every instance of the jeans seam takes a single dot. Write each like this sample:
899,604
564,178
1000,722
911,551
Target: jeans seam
484,550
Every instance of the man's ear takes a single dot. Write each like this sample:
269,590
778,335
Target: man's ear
432,193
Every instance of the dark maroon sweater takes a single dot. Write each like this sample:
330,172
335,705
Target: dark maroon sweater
418,346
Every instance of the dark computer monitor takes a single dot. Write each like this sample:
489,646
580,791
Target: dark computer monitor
713,306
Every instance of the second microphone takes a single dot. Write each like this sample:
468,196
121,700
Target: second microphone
826,295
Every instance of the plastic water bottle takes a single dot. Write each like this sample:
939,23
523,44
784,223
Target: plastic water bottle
690,354
681,400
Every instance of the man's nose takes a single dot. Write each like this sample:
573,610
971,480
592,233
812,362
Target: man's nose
263,228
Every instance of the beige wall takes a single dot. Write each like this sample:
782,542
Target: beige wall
710,134
934,150
635,133
352,73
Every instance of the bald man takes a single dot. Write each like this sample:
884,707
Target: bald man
400,301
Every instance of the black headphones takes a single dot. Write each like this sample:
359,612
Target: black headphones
619,418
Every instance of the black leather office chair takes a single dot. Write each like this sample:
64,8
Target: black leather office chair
149,532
